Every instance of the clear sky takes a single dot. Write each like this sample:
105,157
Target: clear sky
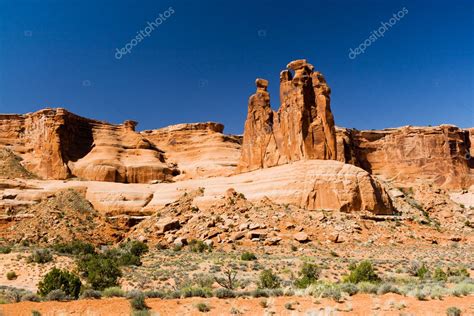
200,62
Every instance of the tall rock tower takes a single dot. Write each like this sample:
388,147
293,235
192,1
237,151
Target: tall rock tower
302,128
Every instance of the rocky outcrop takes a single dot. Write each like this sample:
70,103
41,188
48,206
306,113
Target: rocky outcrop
311,184
303,127
56,144
438,155
199,150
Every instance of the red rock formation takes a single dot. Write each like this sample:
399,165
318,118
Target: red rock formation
56,144
438,155
200,150
303,127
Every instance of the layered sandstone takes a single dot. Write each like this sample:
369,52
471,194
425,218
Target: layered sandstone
56,144
303,127
199,150
438,155
311,184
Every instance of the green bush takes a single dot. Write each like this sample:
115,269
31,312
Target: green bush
268,280
100,271
248,256
40,256
198,246
135,247
309,274
62,280
196,292
423,272
440,275
5,249
203,307
462,272
385,288
138,302
11,275
76,247
363,272
155,294
453,311
113,292
35,313
128,259
224,293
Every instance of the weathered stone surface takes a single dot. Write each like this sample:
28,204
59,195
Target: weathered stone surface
437,155
311,184
56,144
301,237
199,150
167,224
303,127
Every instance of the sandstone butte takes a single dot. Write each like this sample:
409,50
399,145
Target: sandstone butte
295,155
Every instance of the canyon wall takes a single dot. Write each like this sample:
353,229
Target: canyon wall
56,144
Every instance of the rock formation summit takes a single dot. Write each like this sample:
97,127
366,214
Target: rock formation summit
302,128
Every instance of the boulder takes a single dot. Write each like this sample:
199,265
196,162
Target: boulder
301,237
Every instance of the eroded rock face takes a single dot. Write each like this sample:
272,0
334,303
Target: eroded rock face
303,127
199,150
56,144
438,155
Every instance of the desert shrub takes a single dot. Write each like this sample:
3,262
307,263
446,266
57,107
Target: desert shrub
89,293
40,256
325,290
62,280
135,247
420,293
100,271
137,302
349,288
248,256
289,306
453,311
128,259
11,275
461,272
56,295
423,272
268,280
385,288
198,246
363,272
113,292
367,287
154,294
260,293
309,274
144,312
196,292
224,293
30,297
440,275
204,280
35,313
76,247
203,307
5,249
462,289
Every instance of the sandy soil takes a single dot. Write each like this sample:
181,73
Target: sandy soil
361,304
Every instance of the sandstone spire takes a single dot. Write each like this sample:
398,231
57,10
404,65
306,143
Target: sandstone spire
303,127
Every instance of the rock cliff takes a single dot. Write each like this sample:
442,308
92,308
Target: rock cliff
56,144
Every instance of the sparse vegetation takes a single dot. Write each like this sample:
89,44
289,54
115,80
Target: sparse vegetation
268,280
363,272
60,280
453,311
40,256
203,307
248,256
11,275
309,274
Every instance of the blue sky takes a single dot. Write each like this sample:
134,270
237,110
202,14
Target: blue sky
200,63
